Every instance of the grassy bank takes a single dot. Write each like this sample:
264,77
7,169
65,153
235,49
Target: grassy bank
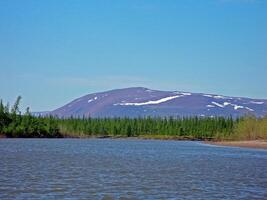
249,128
14,124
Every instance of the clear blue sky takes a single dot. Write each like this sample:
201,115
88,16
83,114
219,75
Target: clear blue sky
54,51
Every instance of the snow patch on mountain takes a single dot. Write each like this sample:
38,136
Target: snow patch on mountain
216,96
186,93
150,102
207,95
219,97
236,107
91,100
226,103
183,93
210,106
249,109
257,102
217,104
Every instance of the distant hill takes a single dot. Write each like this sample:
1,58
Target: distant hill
143,102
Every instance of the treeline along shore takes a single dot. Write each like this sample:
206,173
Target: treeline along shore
14,124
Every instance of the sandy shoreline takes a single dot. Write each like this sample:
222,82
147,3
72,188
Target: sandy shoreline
259,144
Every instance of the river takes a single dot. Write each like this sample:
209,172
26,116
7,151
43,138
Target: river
129,169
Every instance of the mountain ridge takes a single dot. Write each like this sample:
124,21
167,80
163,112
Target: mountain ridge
143,102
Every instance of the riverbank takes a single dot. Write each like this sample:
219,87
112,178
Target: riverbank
258,144
141,137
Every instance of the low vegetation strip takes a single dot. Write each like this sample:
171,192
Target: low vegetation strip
15,124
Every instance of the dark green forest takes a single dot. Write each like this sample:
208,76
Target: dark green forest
15,124
190,128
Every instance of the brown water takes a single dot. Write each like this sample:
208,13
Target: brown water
129,169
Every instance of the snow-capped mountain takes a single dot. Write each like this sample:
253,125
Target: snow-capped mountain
142,102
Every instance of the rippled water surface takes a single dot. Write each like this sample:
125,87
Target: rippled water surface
129,169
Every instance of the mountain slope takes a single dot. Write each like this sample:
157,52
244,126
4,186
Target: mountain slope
142,102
